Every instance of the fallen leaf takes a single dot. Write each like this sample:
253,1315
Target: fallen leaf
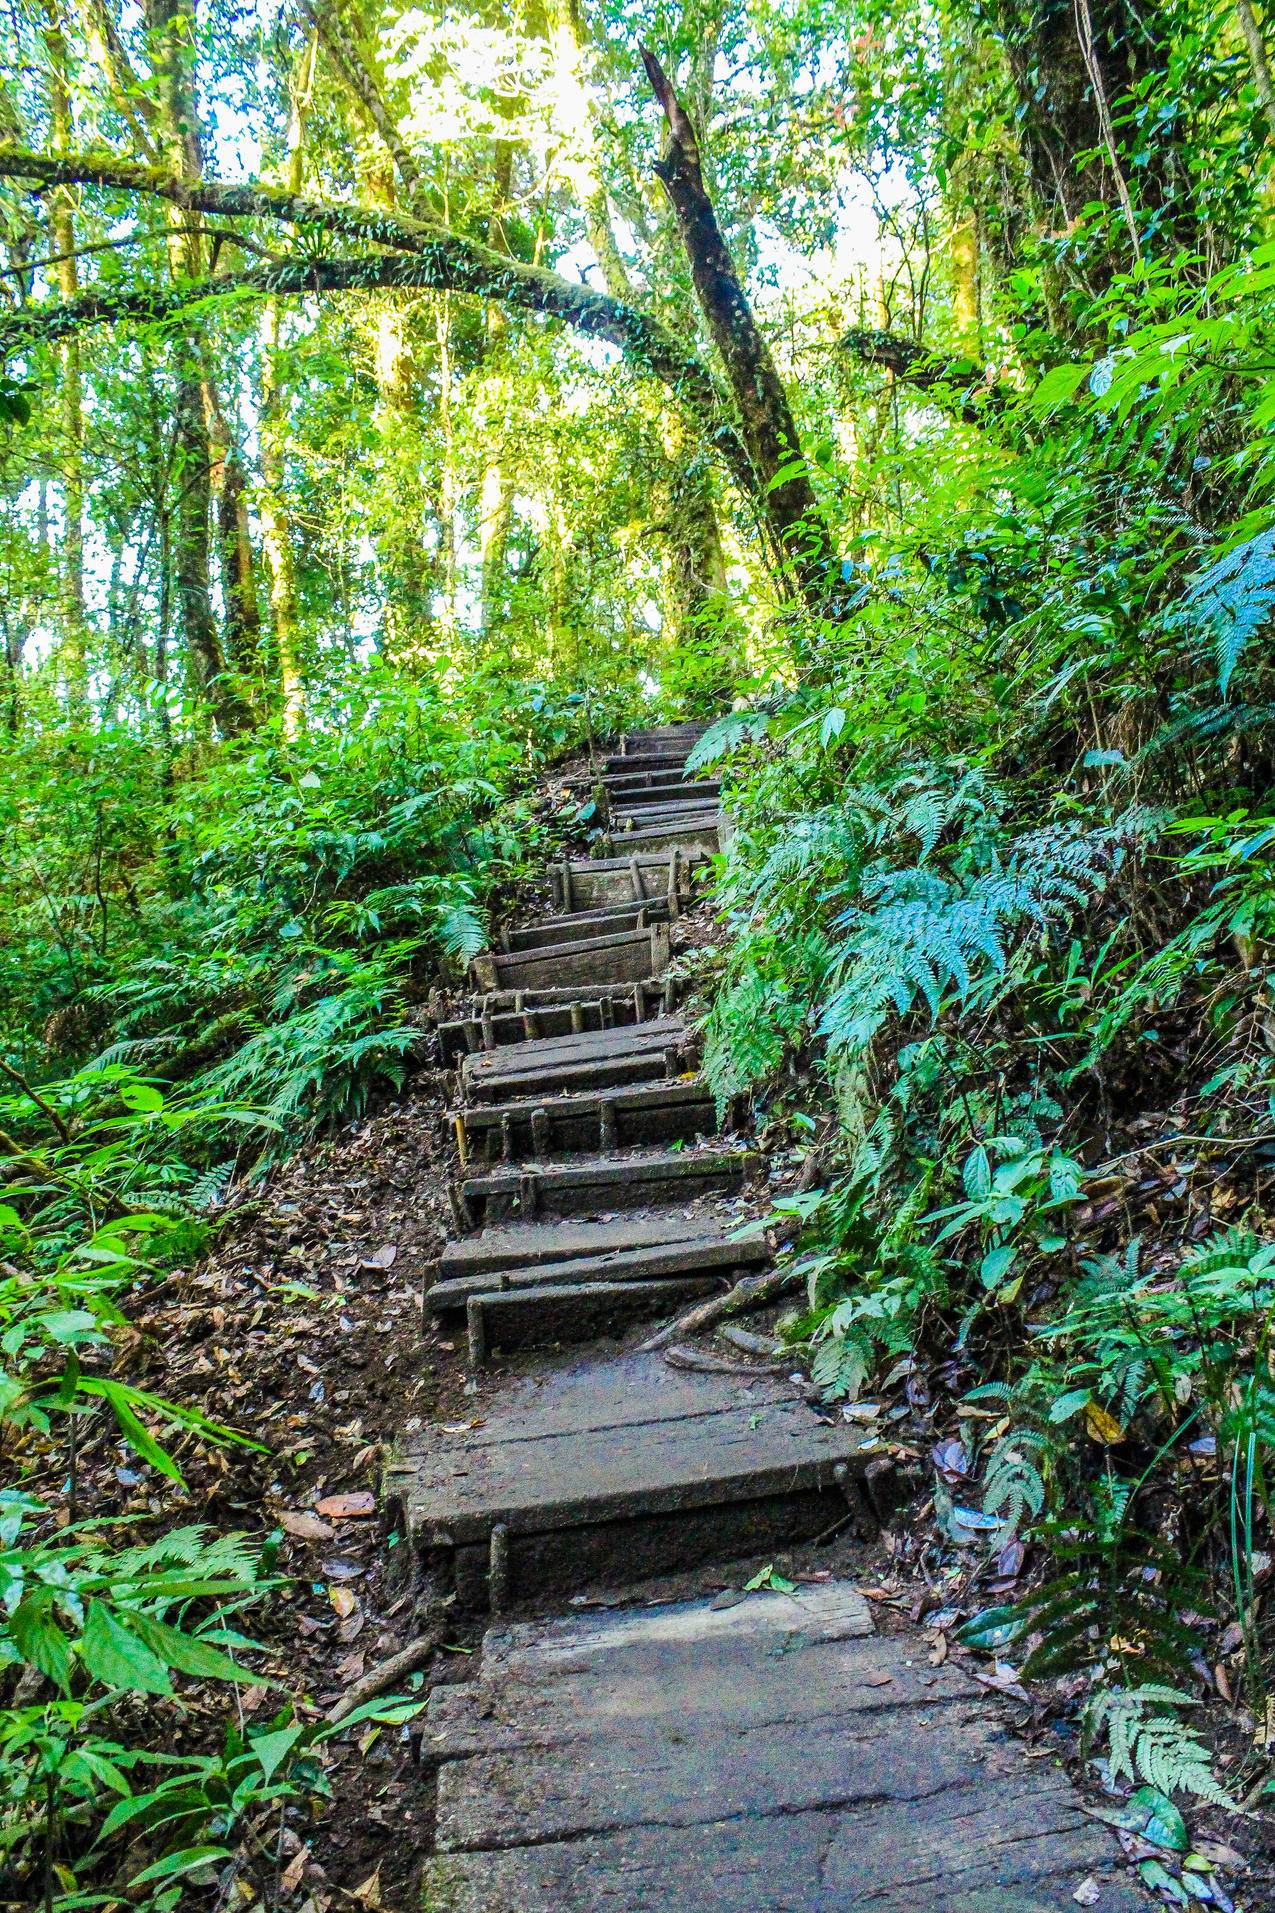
1088,1893
1102,1425
355,1506
879,1679
307,1527
938,1651
382,1258
342,1600
290,1878
1222,1683
370,1891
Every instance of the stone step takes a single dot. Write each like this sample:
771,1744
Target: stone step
508,1017
580,925
583,884
578,1120
555,1314
628,956
707,1253
773,1756
625,1467
568,1061
601,1182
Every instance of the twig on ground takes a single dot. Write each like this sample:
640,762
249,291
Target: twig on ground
749,1293
396,1668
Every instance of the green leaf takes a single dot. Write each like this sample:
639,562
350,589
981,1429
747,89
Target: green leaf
1060,383
1164,1825
142,1098
996,1265
174,1865
189,1655
273,1749
38,1638
117,1657
994,1628
1154,1873
140,1438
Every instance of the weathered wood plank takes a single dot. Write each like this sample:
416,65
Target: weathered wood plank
559,1313
535,1126
606,1182
536,1245
627,956
613,1441
632,1263
772,1757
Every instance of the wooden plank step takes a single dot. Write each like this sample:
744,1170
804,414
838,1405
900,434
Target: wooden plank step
627,957
558,1313
700,838
601,1182
646,816
600,880
697,796
707,1253
558,1062
605,1119
582,924
775,1756
622,783
623,1466
529,1245
589,1074
526,1015
619,763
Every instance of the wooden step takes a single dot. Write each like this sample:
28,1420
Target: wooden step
710,1253
531,1245
647,816
508,1017
694,796
773,1756
555,1314
601,1182
696,838
562,1062
626,957
580,925
600,880
623,1467
621,763
608,1119
622,784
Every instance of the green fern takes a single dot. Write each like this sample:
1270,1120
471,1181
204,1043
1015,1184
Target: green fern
1147,1740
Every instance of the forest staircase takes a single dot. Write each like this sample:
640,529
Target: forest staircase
654,1756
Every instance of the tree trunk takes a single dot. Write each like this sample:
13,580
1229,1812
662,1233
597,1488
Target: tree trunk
171,24
1258,59
276,528
234,540
782,486
73,647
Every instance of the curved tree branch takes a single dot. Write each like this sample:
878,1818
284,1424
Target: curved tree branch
426,255
964,387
